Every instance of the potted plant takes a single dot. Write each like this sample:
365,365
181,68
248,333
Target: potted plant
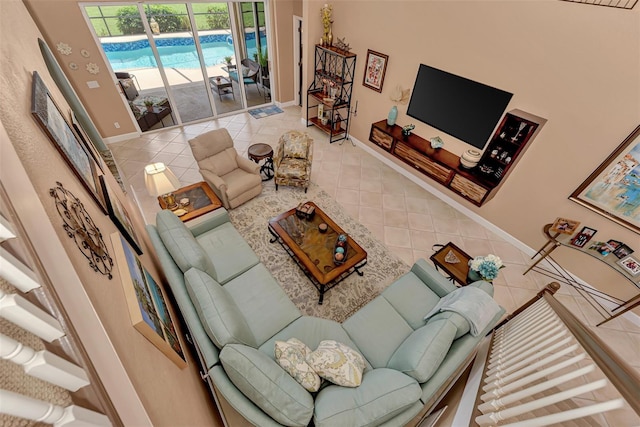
227,60
149,104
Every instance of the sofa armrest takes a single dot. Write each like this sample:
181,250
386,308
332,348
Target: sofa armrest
208,222
248,165
432,278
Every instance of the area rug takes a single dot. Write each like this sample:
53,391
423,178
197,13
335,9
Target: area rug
259,113
382,268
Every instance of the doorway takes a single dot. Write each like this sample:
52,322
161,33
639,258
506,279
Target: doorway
178,63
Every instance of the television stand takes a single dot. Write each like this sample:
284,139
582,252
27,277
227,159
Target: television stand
512,137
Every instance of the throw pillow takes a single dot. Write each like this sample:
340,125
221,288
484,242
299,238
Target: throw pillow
337,363
291,356
267,385
245,70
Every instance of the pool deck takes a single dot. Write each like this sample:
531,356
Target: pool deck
149,78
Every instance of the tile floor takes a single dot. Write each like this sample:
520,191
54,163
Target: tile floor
407,218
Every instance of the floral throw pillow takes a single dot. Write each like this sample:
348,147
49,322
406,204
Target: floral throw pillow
337,363
295,145
291,355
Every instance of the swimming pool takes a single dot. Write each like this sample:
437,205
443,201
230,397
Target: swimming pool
178,52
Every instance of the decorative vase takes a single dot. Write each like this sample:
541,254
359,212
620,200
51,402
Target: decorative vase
330,37
393,115
473,276
150,108
470,159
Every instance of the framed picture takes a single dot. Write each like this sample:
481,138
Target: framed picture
605,249
583,237
564,226
146,302
88,144
613,189
120,216
622,251
374,70
630,265
49,117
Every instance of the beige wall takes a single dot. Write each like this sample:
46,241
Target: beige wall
283,12
575,65
171,396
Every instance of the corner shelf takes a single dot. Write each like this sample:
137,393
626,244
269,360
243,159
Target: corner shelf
334,71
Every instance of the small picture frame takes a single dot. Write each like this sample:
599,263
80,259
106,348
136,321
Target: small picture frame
605,249
564,226
583,237
622,251
375,68
630,265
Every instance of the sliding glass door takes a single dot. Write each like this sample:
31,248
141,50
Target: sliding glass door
188,61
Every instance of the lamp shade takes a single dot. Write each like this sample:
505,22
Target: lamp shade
159,179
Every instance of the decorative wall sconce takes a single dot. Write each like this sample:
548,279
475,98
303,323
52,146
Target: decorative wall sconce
81,228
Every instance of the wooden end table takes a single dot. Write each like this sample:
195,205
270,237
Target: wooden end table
458,271
201,197
313,251
258,152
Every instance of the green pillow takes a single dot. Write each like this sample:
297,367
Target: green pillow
267,385
218,312
183,247
420,355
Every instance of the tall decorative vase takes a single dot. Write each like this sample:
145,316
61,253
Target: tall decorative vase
330,37
393,115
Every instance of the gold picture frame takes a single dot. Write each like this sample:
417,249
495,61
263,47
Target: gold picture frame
146,302
613,189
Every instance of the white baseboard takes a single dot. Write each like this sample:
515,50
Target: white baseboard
286,104
120,138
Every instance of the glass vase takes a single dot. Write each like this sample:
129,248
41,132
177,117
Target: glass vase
393,115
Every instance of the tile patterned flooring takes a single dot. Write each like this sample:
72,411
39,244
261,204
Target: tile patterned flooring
407,218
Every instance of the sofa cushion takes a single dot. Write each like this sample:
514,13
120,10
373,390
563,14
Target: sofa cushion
423,351
378,330
291,356
219,314
221,163
230,254
461,324
183,247
338,363
262,302
267,385
383,394
410,296
239,182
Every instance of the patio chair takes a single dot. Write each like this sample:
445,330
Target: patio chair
126,82
293,159
233,178
250,73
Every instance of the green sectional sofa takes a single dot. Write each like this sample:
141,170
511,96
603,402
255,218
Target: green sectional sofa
235,312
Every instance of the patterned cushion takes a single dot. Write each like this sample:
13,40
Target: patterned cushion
296,145
291,356
293,169
337,363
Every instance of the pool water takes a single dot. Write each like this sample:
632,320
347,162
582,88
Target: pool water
178,56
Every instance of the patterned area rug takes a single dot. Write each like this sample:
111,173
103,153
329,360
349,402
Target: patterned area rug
259,113
382,267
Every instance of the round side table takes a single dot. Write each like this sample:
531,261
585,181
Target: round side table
258,152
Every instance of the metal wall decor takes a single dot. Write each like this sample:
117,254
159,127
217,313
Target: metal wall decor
81,228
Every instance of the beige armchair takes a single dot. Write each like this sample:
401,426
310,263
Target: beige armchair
293,159
233,178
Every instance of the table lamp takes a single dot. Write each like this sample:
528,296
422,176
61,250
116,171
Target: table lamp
160,181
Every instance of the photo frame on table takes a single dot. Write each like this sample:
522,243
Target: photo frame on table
583,237
613,189
631,265
50,118
146,302
375,68
622,251
564,226
120,216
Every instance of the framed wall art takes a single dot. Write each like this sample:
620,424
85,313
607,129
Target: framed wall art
120,216
88,144
613,189
146,302
564,226
374,69
50,118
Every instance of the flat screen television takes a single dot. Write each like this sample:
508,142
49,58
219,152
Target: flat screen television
463,108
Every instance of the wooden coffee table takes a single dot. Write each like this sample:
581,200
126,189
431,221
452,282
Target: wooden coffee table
313,251
201,197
